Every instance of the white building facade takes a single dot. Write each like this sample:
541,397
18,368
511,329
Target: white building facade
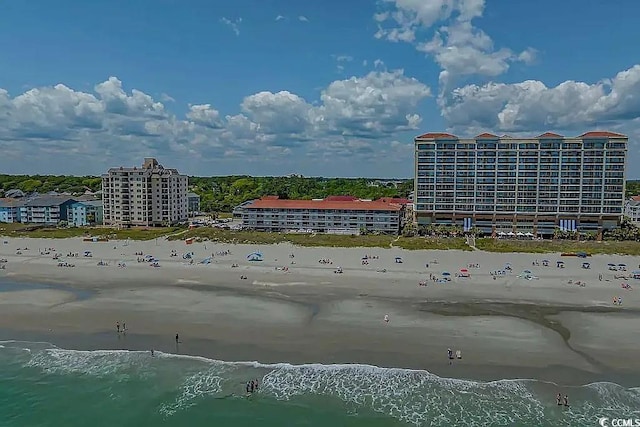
146,196
335,217
535,185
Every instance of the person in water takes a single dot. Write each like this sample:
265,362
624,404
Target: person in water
177,339
152,353
566,400
249,386
559,399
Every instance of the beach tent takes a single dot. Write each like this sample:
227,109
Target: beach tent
528,234
464,273
206,261
560,264
446,273
501,233
399,260
255,256
545,262
636,274
511,233
527,271
520,233
586,265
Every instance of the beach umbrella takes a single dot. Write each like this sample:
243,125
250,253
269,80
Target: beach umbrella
622,265
464,270
611,265
527,271
446,273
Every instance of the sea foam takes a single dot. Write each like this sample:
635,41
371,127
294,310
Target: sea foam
414,396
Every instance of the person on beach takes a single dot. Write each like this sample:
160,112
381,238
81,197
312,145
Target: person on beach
124,327
177,339
559,399
566,401
152,353
450,356
118,326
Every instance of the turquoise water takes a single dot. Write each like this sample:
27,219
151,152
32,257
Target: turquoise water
41,385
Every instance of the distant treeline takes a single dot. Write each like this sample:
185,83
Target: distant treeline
223,193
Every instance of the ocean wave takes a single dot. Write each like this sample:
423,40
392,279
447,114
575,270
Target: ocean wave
414,396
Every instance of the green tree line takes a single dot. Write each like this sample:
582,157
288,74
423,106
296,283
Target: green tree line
223,193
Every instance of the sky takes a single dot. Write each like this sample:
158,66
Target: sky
319,88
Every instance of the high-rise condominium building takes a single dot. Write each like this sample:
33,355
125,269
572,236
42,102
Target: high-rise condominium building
521,185
146,196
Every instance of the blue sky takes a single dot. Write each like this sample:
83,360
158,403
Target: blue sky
319,88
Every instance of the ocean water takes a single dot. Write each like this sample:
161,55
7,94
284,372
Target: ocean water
41,385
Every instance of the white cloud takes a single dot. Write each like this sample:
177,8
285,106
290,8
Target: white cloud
81,132
234,25
280,18
166,98
343,58
378,63
303,18
533,105
459,48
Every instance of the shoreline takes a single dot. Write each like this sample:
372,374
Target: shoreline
297,310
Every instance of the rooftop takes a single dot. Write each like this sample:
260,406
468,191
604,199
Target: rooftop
96,203
48,201
10,202
592,134
376,205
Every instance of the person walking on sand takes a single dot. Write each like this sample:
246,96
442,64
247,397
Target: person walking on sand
177,339
118,327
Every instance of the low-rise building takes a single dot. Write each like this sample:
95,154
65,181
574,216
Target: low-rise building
238,210
322,215
10,209
193,203
85,213
632,209
46,210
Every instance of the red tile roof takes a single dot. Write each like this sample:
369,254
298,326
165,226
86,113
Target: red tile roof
271,197
635,198
549,135
340,198
486,135
323,204
602,134
436,136
396,200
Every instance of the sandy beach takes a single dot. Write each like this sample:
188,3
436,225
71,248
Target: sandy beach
526,321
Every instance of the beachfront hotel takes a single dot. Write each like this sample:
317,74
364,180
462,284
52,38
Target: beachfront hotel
521,185
147,196
334,215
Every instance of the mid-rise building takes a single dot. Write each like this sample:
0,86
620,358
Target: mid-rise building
632,210
345,216
504,184
147,196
